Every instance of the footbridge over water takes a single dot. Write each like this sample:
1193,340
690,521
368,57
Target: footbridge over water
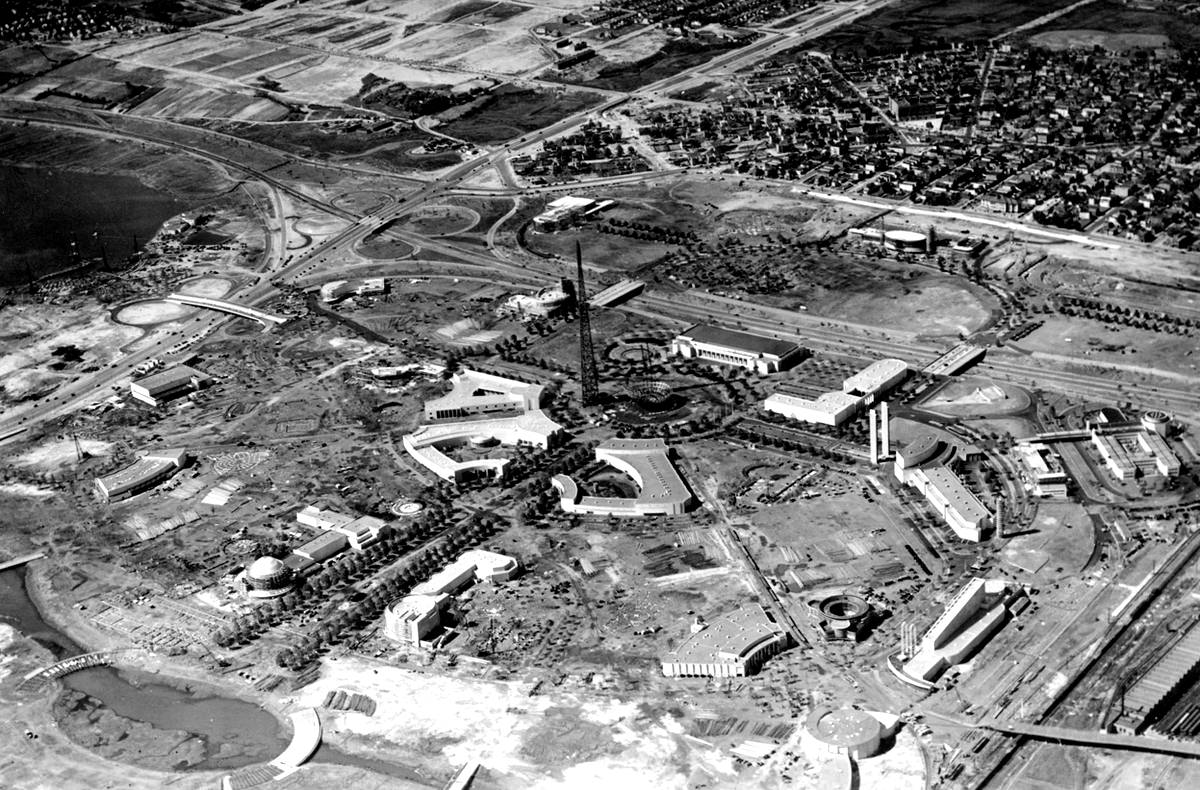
39,677
268,320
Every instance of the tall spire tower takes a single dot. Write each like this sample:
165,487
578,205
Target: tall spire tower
589,379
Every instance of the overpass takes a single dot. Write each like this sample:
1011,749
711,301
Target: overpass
268,320
1142,743
1063,436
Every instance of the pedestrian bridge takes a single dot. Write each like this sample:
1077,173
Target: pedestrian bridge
39,677
268,320
1144,743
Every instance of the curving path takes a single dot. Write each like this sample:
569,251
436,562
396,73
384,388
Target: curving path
266,319
306,737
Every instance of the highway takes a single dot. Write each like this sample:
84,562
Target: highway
817,333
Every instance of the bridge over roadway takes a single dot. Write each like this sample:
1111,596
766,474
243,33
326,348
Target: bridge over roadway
268,320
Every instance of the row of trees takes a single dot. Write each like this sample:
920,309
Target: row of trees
646,232
338,621
759,436
1154,320
335,576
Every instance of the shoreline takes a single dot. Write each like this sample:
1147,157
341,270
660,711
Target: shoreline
150,670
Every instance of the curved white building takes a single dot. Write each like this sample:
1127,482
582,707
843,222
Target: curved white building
734,645
854,733
473,392
418,614
426,445
661,491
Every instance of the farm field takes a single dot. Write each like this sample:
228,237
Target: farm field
917,23
510,111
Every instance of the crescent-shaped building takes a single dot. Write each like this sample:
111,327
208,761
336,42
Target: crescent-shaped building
661,491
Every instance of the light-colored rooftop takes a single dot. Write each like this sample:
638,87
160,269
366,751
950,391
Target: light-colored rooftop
648,462
145,468
569,202
951,487
846,727
533,427
169,379
831,403
472,389
730,638
875,376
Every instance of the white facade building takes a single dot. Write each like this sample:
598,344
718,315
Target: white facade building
763,355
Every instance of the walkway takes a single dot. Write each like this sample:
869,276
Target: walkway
462,780
1094,737
39,677
266,319
16,562
306,737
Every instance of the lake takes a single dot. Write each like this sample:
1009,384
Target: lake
44,210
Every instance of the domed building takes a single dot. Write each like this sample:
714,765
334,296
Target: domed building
267,577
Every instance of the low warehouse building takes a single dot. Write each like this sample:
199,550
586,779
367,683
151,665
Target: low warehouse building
166,385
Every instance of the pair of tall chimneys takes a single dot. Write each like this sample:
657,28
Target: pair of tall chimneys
880,432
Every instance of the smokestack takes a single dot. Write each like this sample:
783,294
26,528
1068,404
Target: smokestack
874,431
886,434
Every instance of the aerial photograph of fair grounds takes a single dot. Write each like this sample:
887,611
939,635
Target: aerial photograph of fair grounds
599,394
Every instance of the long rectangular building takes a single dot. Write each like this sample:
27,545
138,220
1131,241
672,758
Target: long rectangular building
761,354
169,384
950,497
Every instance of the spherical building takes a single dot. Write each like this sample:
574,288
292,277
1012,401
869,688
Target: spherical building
848,731
267,577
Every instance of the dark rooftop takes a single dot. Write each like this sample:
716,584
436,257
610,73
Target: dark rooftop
743,341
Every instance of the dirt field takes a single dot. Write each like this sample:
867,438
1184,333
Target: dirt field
1092,341
1059,544
557,739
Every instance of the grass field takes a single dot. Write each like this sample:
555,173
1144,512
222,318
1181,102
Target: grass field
913,24
382,149
513,111
674,57
1111,16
